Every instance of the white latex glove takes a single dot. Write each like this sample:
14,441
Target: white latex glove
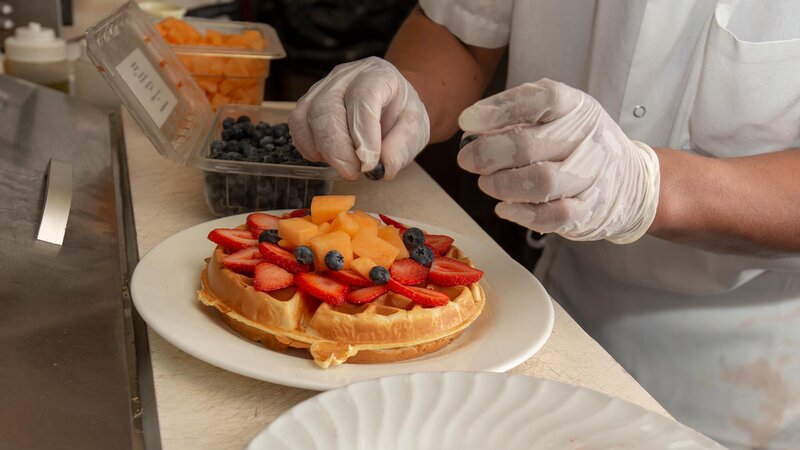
361,113
560,164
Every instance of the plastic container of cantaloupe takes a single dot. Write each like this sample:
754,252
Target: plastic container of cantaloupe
229,60
173,112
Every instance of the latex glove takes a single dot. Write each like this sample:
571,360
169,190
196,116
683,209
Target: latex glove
361,113
560,164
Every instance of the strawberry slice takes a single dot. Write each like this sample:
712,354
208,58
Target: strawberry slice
423,296
269,277
243,261
349,276
389,221
302,212
451,272
366,295
322,287
276,255
439,243
258,222
232,239
409,272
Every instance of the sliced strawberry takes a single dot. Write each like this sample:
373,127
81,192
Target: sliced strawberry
232,239
302,212
366,295
243,261
322,287
349,276
389,221
269,277
423,296
451,272
409,272
439,243
258,222
281,257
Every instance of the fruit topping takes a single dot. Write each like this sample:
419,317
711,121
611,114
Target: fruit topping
276,255
366,295
422,255
269,277
413,237
439,243
243,261
335,240
451,272
232,239
326,207
391,234
362,266
350,277
408,272
270,236
423,296
322,287
389,221
304,255
379,275
334,260
377,173
365,243
258,222
297,230
302,212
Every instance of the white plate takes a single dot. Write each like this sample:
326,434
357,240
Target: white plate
515,323
462,410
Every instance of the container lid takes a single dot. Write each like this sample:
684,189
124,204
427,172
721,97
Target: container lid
156,88
35,44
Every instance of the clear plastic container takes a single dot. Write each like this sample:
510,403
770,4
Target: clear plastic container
226,74
173,112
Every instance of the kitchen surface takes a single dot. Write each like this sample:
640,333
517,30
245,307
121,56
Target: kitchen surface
164,131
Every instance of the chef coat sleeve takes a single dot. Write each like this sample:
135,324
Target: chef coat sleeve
481,23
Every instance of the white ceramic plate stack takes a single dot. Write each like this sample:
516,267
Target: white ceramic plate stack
467,410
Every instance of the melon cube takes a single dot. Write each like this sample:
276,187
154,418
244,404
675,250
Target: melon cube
391,235
297,230
335,240
345,221
283,243
326,207
363,265
365,221
324,227
370,245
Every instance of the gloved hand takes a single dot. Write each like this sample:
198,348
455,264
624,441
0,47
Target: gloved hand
560,164
361,113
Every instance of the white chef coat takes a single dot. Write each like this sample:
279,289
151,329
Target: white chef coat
714,338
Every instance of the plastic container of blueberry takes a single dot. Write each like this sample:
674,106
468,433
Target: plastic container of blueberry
175,115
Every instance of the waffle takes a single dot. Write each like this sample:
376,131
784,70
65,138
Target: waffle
391,328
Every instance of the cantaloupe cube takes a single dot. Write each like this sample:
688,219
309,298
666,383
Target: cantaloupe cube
283,243
374,248
363,265
335,240
324,227
345,221
366,221
326,207
391,235
297,231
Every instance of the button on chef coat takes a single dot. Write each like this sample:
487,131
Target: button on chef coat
714,338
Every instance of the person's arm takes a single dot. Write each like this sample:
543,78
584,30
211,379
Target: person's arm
742,205
447,74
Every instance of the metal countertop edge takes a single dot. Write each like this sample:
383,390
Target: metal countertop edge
145,433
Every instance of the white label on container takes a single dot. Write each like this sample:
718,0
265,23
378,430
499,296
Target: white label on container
148,86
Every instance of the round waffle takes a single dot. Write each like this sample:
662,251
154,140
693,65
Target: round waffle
390,328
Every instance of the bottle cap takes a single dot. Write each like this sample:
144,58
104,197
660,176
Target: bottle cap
35,44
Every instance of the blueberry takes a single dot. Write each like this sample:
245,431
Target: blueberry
228,134
281,140
270,236
242,119
379,275
262,126
334,260
413,237
246,128
422,255
376,173
228,122
232,156
304,255
466,140
266,140
251,153
233,146
280,129
217,146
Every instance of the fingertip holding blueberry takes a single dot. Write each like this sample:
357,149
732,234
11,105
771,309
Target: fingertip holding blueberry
334,260
377,173
466,140
379,275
